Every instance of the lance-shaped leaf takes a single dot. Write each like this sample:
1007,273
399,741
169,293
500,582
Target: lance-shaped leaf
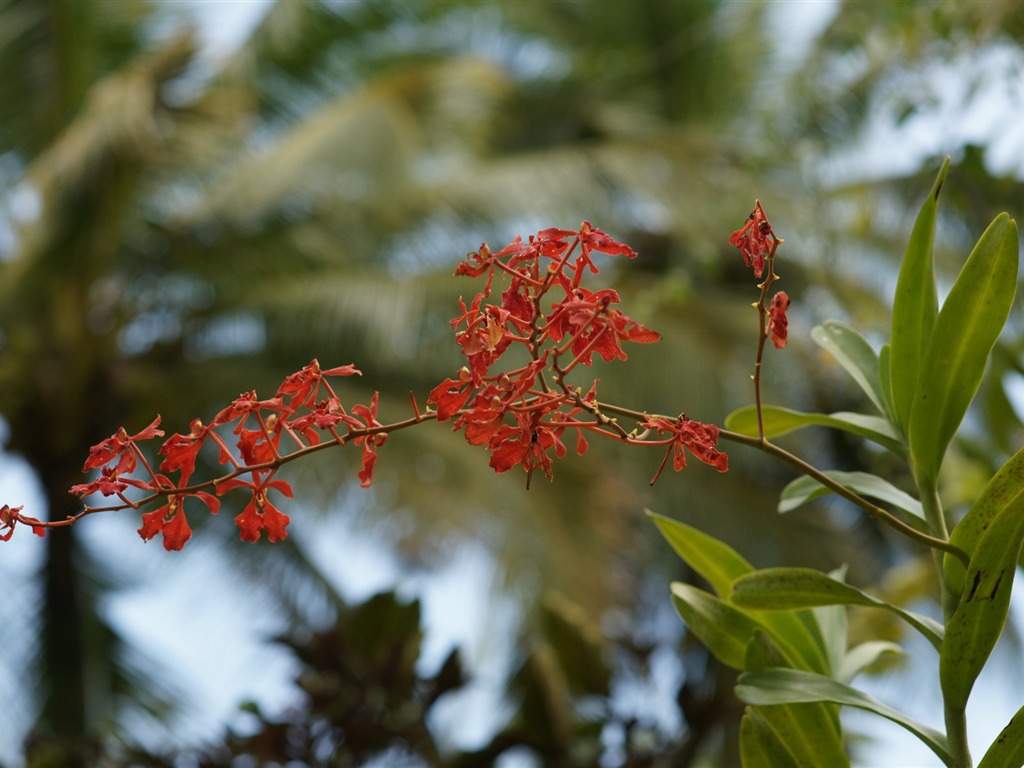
863,656
978,621
966,329
779,421
720,565
855,355
792,686
1007,751
915,306
723,629
783,589
885,375
834,624
806,488
1005,487
716,562
761,746
809,732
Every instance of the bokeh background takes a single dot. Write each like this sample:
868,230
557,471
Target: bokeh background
197,198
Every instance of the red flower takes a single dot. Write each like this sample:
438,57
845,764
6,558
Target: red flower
119,446
170,520
475,264
8,519
370,442
516,299
107,483
778,324
485,337
450,395
527,443
246,404
485,416
325,416
180,451
700,440
254,446
595,240
303,386
259,514
755,239
585,316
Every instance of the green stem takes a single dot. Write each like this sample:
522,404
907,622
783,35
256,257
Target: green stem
932,507
956,735
955,716
936,520
938,544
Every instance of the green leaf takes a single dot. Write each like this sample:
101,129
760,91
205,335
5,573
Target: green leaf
760,745
978,621
1003,489
915,306
779,421
885,375
716,562
720,566
723,629
783,589
1007,751
804,489
863,656
834,625
855,355
793,686
966,329
810,732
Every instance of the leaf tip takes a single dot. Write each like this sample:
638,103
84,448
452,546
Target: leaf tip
941,179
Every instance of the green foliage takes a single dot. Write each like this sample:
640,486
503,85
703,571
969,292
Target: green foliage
1007,751
915,307
978,621
794,686
805,489
957,349
922,383
805,733
780,421
1003,490
856,356
792,588
746,637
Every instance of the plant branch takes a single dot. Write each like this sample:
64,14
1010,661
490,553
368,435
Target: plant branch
839,489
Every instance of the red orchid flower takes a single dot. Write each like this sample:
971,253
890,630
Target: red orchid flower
699,439
303,386
170,520
259,514
755,239
372,442
119,446
778,323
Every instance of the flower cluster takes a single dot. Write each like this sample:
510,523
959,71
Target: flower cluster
520,414
512,397
305,409
757,242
